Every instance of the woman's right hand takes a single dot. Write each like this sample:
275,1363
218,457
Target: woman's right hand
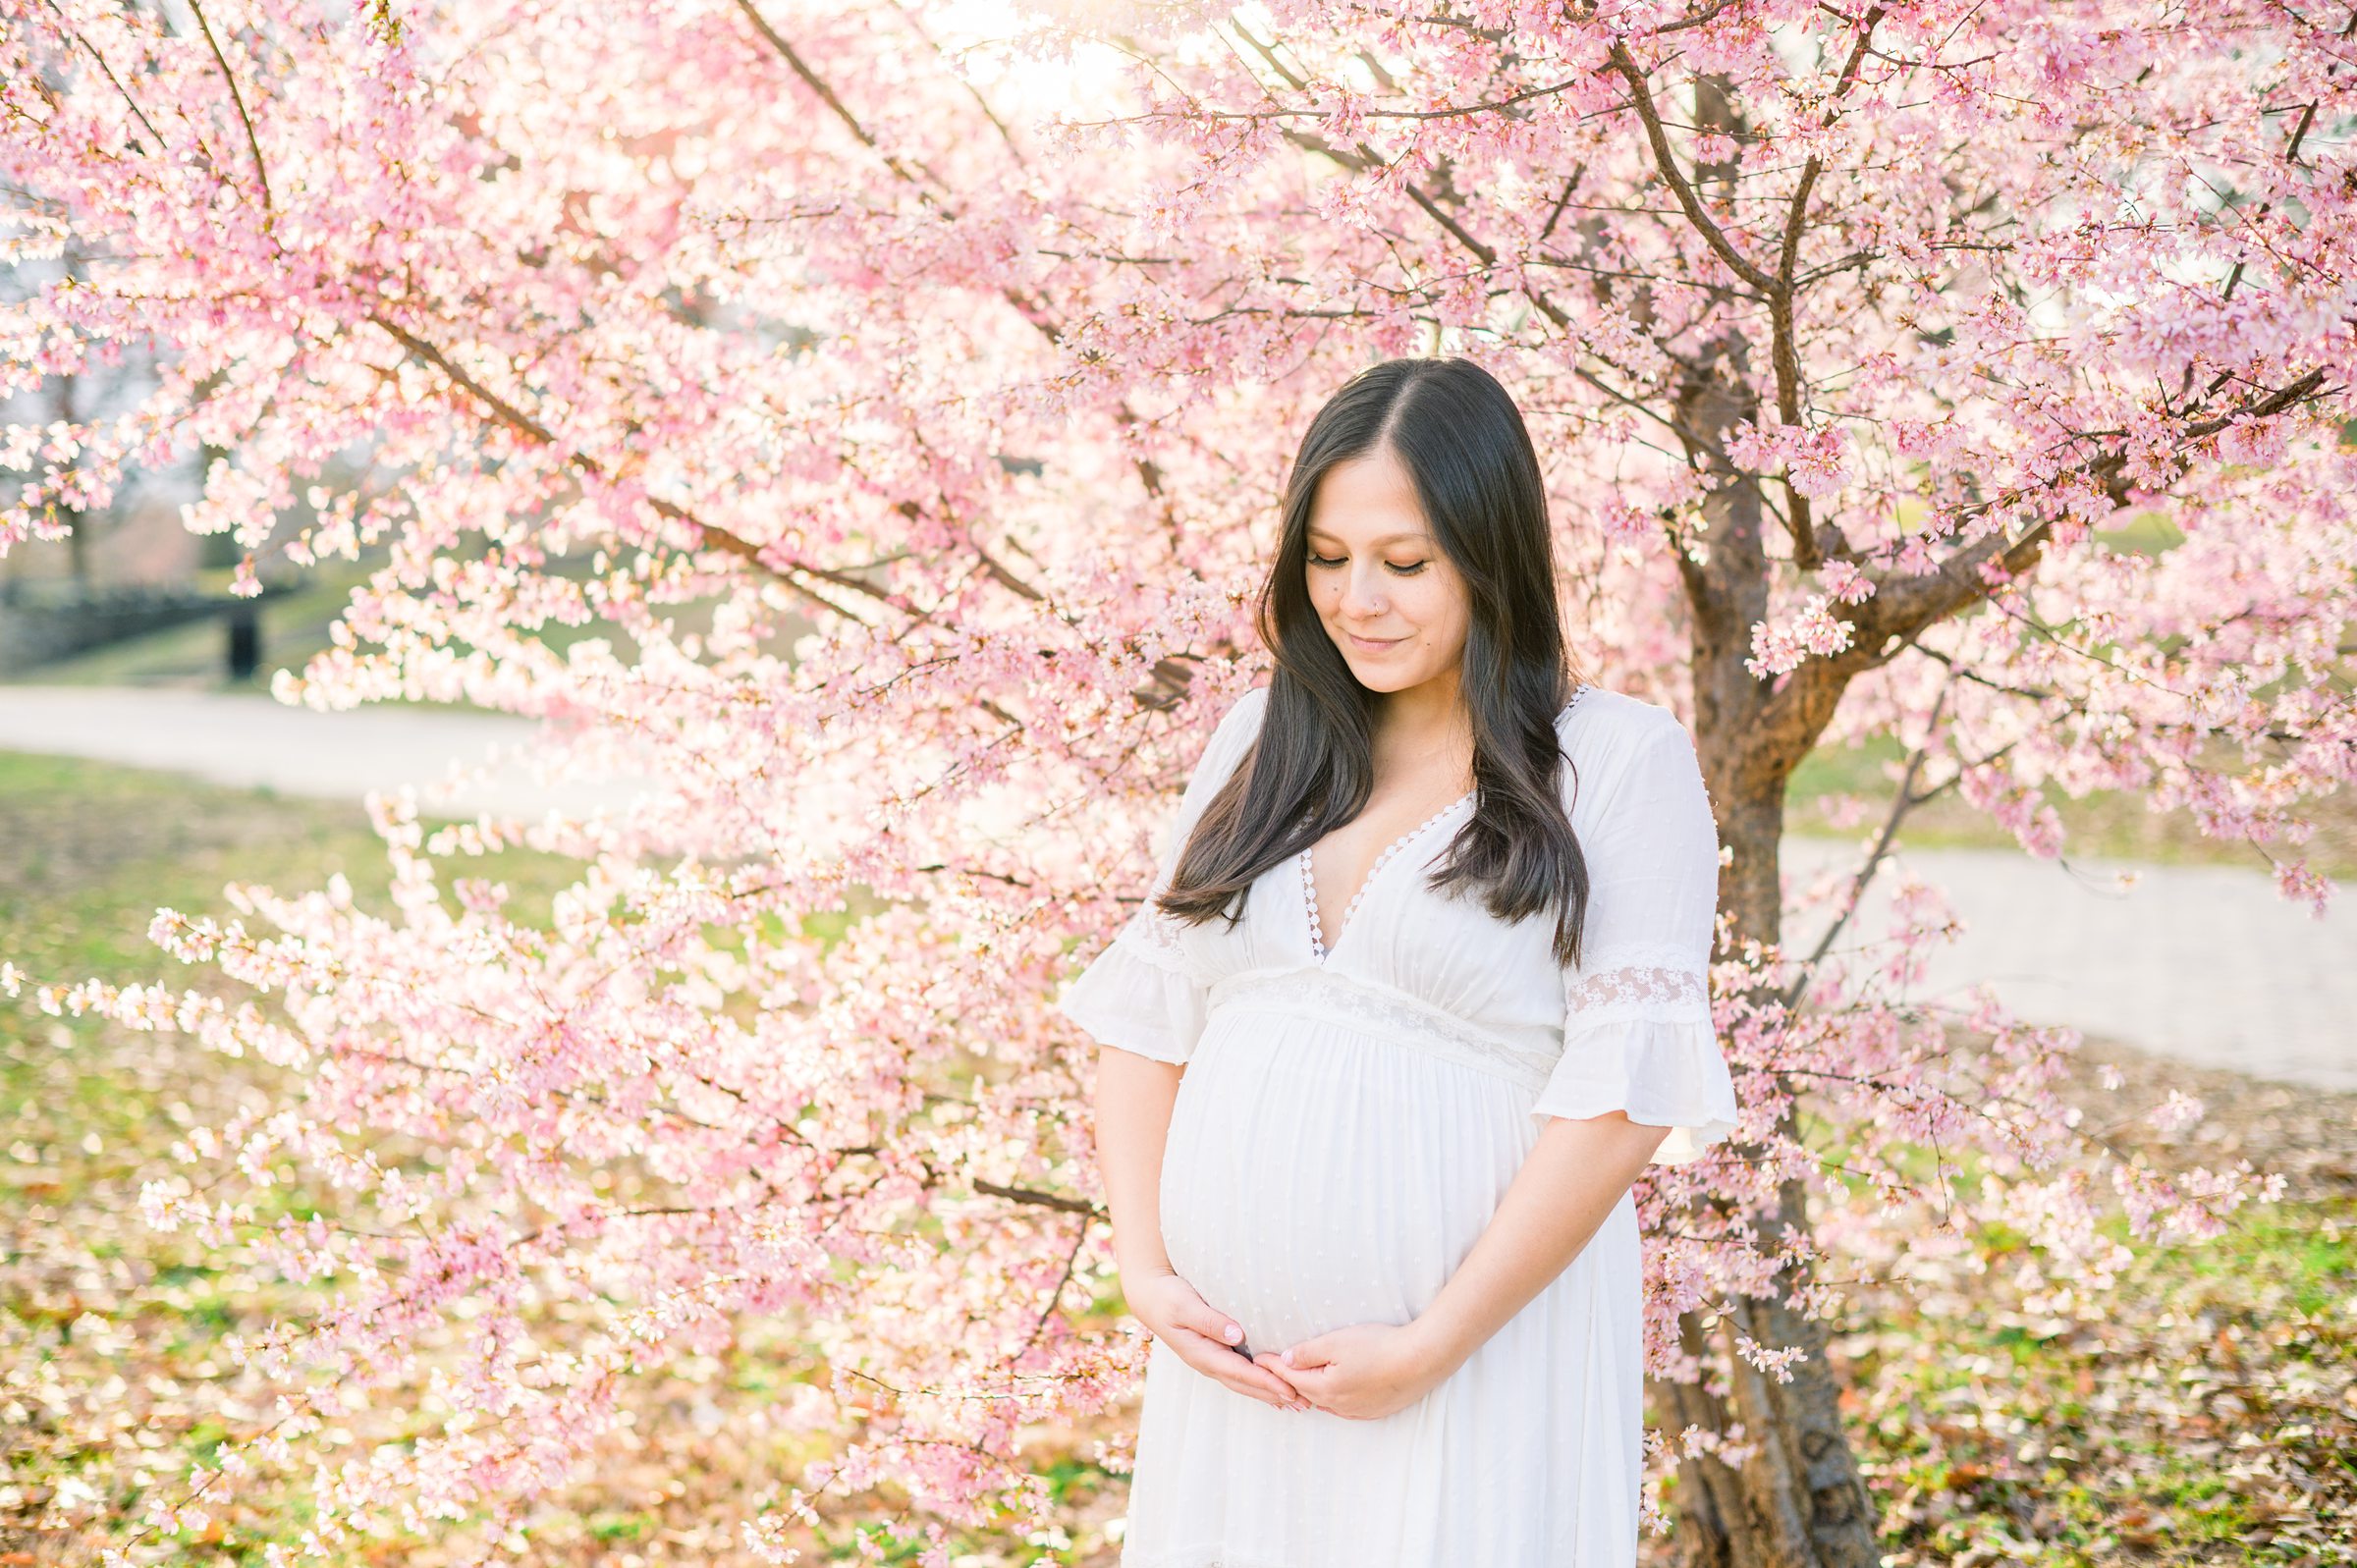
1180,1319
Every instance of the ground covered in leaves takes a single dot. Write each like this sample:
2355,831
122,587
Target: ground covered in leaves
2207,1416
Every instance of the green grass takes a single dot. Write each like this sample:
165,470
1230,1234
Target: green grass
90,850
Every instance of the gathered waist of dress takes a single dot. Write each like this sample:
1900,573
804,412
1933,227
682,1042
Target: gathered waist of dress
1521,1053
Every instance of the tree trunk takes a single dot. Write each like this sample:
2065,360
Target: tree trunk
1799,1502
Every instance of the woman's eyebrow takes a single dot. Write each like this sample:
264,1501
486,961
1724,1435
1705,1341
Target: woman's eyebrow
1376,544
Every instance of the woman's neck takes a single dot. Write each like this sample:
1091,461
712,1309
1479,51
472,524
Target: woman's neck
1425,719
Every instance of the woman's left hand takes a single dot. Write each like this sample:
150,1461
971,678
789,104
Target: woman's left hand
1361,1370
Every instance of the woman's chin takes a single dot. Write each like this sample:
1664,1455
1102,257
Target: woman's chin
1384,682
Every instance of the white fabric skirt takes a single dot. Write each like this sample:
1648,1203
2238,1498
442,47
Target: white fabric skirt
1319,1174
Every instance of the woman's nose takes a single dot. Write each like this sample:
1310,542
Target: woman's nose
1363,596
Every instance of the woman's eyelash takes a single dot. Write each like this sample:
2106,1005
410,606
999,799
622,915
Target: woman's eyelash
1409,570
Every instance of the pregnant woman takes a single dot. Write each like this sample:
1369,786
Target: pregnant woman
1419,991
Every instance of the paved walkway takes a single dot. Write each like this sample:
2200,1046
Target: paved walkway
2201,963
2205,964
253,740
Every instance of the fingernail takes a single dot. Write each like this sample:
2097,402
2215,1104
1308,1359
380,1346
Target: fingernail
1233,1332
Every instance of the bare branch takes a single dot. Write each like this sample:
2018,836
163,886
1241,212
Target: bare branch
1045,1199
2299,132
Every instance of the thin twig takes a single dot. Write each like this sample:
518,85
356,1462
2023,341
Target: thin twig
1904,802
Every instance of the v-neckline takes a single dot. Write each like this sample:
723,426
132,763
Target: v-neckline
1320,949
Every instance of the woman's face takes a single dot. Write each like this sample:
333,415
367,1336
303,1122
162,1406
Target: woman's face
1385,593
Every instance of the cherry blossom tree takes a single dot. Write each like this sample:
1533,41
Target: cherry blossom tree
947,361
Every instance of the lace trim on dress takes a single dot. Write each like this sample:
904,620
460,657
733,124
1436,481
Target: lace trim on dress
1154,936
1524,1054
1309,880
1629,986
1656,982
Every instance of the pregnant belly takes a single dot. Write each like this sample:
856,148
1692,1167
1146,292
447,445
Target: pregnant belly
1316,1177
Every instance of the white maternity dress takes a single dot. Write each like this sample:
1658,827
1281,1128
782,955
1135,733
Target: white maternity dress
1347,1120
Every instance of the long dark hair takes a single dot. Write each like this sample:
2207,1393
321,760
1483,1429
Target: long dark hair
1311,768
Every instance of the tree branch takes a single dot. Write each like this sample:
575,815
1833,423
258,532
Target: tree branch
1045,1199
1905,606
717,537
107,70
1904,801
1784,344
1900,610
252,143
1641,98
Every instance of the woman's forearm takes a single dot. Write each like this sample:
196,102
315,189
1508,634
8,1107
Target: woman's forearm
1575,1173
1134,1097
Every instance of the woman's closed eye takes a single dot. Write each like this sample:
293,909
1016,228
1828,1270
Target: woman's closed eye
1405,568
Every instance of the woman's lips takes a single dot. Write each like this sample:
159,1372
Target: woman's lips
1372,644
